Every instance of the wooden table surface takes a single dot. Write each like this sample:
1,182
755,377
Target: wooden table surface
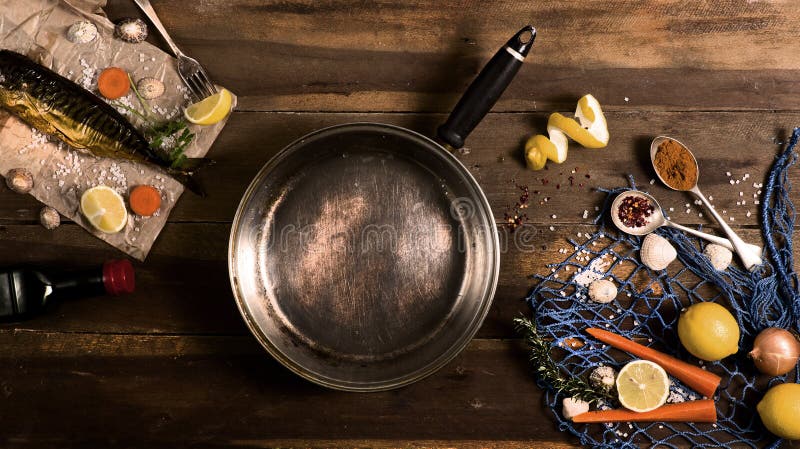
174,365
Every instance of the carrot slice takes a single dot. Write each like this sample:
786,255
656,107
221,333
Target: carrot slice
113,83
145,200
692,411
701,380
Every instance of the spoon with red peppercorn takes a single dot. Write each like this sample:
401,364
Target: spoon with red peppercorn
638,213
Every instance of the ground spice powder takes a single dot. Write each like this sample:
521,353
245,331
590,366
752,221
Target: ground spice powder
675,165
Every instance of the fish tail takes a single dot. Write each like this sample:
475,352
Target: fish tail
188,181
193,164
184,173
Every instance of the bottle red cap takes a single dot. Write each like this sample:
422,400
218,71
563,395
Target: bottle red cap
118,277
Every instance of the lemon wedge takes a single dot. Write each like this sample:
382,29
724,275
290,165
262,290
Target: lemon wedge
210,110
105,209
642,386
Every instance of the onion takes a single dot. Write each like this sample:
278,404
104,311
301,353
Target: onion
775,351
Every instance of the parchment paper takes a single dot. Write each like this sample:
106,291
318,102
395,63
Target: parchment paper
38,29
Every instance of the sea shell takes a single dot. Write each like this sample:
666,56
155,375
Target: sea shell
49,217
19,180
657,252
602,291
603,378
82,32
719,256
150,88
131,30
572,407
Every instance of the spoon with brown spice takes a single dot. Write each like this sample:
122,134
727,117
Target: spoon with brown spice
638,213
677,168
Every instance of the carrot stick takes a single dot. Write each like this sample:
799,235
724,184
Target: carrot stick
692,411
701,380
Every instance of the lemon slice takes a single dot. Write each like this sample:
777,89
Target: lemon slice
105,209
210,110
642,386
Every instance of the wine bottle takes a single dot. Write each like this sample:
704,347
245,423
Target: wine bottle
25,293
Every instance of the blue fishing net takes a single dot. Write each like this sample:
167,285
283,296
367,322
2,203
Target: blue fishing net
648,308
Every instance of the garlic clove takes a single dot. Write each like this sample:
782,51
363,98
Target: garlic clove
656,252
572,407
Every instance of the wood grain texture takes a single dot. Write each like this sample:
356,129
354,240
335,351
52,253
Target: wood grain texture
740,143
168,391
305,55
183,288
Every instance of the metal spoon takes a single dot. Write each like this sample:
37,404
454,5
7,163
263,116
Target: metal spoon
751,259
657,220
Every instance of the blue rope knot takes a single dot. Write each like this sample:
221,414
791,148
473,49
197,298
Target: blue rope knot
649,306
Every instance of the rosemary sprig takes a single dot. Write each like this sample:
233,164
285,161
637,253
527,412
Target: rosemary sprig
172,138
546,369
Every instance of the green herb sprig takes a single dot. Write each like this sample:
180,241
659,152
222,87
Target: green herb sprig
172,138
169,138
546,369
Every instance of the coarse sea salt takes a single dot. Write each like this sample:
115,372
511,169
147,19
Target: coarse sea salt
596,269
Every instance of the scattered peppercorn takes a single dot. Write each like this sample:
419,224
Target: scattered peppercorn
634,210
514,217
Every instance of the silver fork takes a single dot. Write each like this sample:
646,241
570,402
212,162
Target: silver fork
191,72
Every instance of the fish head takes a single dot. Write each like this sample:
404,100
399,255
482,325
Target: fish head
11,64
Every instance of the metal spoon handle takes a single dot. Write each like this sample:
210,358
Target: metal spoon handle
754,249
710,237
750,260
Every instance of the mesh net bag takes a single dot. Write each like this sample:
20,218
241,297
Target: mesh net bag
648,307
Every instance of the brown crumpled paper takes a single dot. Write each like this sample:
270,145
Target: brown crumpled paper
38,29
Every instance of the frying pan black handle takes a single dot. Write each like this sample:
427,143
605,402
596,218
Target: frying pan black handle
484,91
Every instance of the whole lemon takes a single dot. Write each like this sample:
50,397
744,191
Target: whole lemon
708,331
780,411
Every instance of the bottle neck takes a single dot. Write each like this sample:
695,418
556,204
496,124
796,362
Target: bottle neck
83,284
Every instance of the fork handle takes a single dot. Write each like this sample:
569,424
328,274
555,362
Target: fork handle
148,10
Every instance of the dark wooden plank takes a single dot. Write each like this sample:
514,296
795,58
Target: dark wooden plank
741,143
183,287
419,56
148,391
